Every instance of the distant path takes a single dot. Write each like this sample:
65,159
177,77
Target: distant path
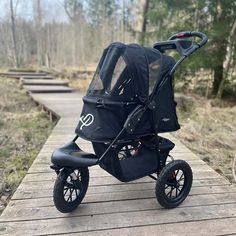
111,207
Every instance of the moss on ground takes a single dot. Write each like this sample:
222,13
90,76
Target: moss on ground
24,129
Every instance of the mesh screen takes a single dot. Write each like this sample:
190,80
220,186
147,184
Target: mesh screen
115,82
154,74
118,72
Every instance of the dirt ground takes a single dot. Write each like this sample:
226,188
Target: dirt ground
24,129
208,128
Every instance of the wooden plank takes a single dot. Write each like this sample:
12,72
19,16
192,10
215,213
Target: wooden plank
33,77
45,82
91,208
123,192
194,228
118,220
114,194
17,73
44,174
47,89
28,185
45,188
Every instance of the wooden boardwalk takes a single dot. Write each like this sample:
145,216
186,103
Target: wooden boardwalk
111,207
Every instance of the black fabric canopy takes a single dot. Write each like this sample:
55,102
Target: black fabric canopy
126,76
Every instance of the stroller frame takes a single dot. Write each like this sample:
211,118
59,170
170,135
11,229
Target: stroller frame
70,157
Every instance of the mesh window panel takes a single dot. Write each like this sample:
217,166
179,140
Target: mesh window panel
154,74
96,84
118,72
104,84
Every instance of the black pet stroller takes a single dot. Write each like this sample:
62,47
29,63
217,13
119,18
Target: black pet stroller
129,102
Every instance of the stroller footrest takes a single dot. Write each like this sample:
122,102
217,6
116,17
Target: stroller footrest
72,156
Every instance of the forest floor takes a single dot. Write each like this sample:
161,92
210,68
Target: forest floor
208,128
23,131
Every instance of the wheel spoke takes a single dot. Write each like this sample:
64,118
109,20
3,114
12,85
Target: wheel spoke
171,191
167,186
169,194
71,191
179,189
76,193
169,183
65,191
72,194
69,196
176,193
181,178
177,173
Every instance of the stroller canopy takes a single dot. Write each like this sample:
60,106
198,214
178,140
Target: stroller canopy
127,76
128,72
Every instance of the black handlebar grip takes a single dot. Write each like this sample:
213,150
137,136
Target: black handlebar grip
187,34
202,36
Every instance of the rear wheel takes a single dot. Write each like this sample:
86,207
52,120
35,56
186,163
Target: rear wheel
174,183
70,189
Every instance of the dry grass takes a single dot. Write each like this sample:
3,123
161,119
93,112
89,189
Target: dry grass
23,131
209,130
79,77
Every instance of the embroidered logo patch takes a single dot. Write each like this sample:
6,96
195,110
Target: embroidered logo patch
86,120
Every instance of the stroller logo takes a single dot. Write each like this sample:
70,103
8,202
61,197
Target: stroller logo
165,119
86,120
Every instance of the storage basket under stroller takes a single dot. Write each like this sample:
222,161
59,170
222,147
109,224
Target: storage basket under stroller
133,159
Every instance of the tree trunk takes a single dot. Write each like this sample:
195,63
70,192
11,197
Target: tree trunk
231,46
144,24
13,30
218,77
40,55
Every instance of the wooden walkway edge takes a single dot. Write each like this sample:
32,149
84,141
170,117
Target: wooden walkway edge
111,207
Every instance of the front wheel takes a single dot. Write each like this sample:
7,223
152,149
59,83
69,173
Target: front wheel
174,183
70,188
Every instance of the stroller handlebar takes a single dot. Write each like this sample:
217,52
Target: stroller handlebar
187,34
184,47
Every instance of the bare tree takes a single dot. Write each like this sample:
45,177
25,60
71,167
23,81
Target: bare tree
13,30
38,23
229,59
73,9
144,23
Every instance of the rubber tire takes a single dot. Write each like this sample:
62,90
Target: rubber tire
164,175
61,204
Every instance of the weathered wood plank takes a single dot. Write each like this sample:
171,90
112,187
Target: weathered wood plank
44,82
47,89
195,228
94,197
118,220
45,188
91,208
48,174
20,74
